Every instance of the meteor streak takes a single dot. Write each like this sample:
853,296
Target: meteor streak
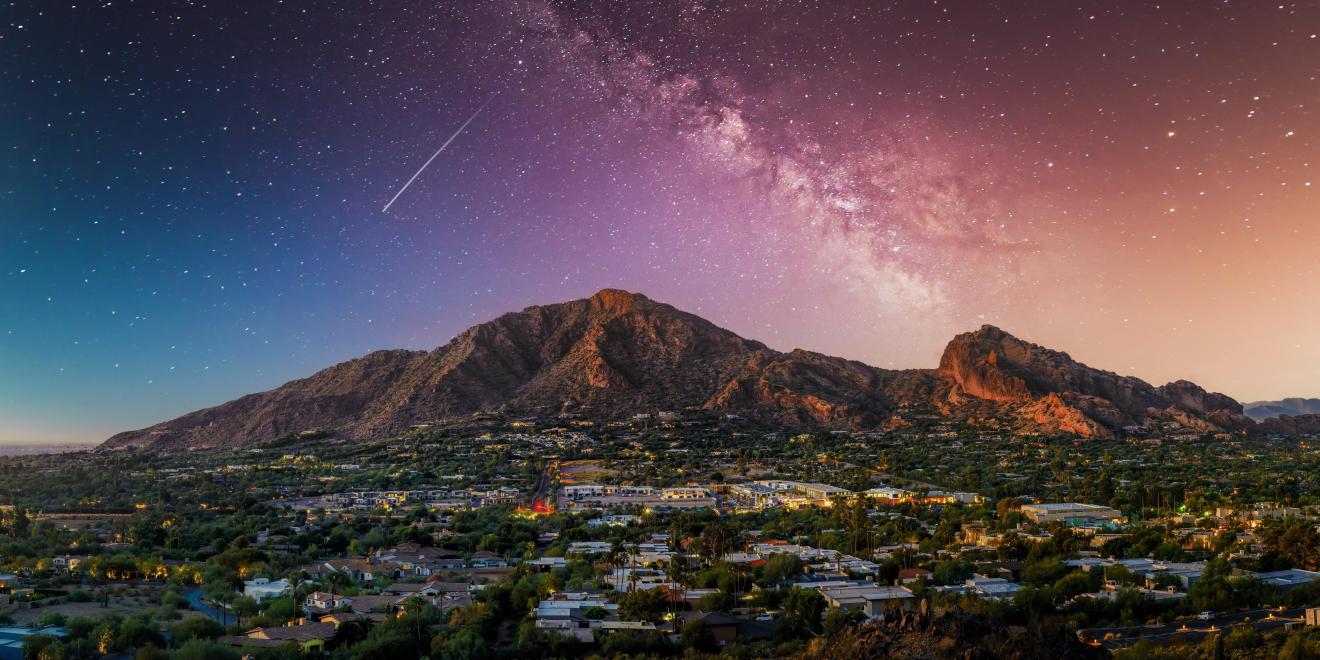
437,153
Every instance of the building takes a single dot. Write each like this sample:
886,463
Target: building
993,587
487,559
1071,513
889,494
755,495
859,596
615,520
263,588
909,575
321,600
588,548
547,563
821,492
886,599
310,637
1289,579
726,629
684,493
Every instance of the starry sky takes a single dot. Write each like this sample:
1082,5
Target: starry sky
191,192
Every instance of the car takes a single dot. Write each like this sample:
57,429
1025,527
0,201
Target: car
1206,615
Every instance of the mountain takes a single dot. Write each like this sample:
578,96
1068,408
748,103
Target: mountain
618,353
1291,425
1261,410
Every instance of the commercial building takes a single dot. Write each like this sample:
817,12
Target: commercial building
1071,513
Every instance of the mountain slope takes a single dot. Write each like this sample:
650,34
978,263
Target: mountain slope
1261,410
618,353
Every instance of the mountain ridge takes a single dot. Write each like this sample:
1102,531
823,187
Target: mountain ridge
618,353
1290,406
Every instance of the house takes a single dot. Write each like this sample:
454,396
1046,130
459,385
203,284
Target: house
379,603
321,600
361,570
547,563
570,605
867,595
411,589
587,548
67,563
310,637
414,559
340,618
726,629
487,559
883,600
910,575
263,588
994,588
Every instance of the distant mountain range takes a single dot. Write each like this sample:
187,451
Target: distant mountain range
1262,410
617,353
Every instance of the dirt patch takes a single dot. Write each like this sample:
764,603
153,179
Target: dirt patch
573,472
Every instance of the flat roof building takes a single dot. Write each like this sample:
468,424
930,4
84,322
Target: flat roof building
1070,512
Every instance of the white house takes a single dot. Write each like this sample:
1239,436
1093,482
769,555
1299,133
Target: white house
263,588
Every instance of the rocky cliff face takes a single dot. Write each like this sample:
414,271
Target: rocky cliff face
1292,425
1059,391
619,353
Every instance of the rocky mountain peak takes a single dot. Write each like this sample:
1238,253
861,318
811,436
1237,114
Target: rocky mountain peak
618,301
619,353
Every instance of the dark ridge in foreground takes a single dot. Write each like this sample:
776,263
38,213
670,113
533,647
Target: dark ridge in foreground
917,636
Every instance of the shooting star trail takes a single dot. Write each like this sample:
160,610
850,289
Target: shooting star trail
437,153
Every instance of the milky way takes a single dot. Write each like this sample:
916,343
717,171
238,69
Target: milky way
192,192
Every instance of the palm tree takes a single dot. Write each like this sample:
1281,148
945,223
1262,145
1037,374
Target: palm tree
296,580
334,580
220,598
616,561
413,607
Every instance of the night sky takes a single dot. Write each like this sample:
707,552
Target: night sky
191,193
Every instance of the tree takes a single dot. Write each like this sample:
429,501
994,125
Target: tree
151,652
695,635
245,606
198,627
718,601
642,643
202,649
138,631
780,568
42,647
645,605
466,645
349,633
839,618
336,581
802,611
715,542
1294,539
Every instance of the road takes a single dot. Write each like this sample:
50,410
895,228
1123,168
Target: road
540,500
197,598
1192,629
